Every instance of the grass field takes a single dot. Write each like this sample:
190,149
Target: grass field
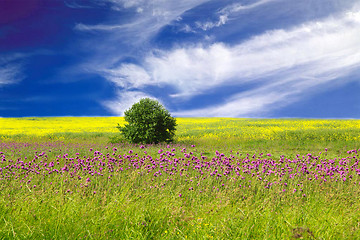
75,178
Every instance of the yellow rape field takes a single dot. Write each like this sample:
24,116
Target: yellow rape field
193,128
55,125
269,129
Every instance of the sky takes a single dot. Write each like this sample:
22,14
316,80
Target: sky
199,58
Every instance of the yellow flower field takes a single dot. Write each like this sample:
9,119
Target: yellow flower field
193,128
51,125
268,129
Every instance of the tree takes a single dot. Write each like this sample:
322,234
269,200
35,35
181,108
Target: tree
148,122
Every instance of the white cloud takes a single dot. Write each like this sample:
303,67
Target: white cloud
125,100
98,27
10,74
236,7
10,69
355,16
209,25
288,63
225,13
75,4
186,28
117,5
127,3
128,76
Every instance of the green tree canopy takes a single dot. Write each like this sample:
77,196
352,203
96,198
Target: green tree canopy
148,122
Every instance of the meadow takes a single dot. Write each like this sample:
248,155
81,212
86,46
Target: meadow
222,178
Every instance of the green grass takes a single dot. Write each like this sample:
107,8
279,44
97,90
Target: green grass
129,205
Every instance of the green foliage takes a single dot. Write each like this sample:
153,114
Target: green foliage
148,122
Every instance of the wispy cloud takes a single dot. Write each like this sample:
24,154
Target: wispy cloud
10,69
99,27
236,7
10,74
128,76
116,5
209,25
76,4
119,4
150,17
125,99
225,14
288,63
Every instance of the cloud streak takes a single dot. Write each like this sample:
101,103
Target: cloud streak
10,74
10,69
225,14
124,100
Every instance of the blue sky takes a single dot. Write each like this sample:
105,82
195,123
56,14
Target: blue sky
199,58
